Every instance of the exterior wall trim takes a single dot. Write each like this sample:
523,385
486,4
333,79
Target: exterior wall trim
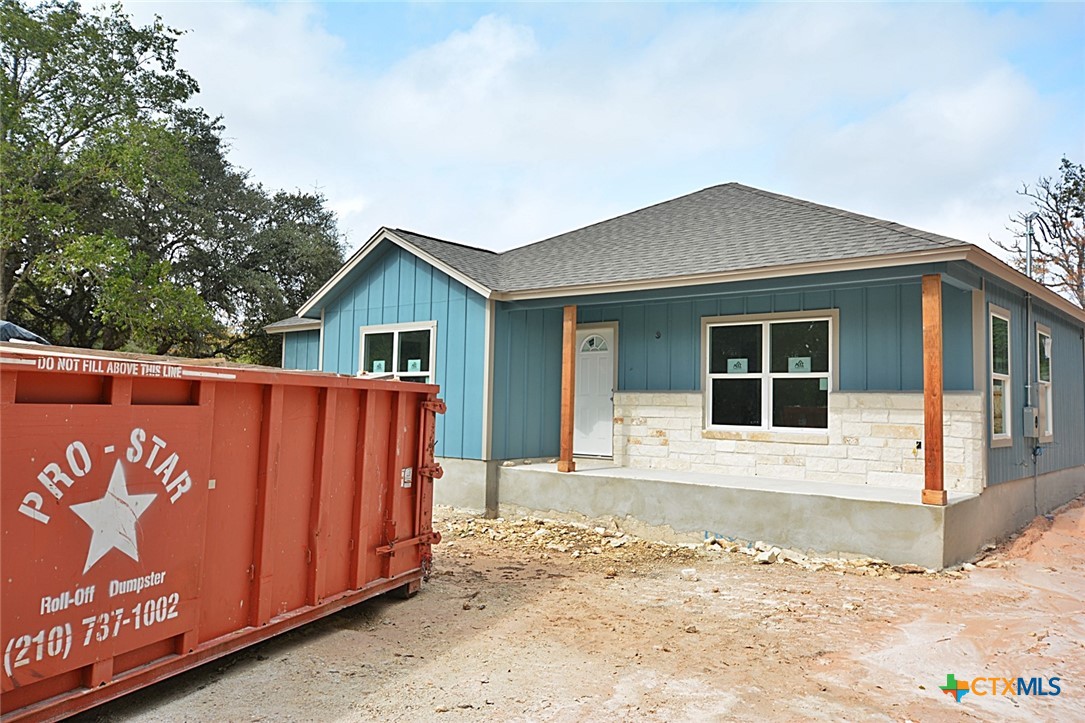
488,382
320,348
1006,440
1038,328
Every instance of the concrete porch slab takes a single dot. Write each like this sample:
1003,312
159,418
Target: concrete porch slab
596,467
843,519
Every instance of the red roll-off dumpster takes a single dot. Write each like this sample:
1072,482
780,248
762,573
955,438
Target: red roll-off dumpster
157,513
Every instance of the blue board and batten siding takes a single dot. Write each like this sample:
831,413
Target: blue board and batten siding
301,350
392,286
880,343
1067,449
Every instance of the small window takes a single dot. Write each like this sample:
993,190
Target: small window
769,374
407,352
1000,374
1046,399
594,343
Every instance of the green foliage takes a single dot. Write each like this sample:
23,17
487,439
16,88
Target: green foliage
122,223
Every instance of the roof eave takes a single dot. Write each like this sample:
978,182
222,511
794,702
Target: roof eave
955,253
996,267
313,325
964,252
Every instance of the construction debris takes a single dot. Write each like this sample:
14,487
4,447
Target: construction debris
607,549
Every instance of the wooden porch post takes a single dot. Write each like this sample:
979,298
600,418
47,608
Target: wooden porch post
933,470
568,389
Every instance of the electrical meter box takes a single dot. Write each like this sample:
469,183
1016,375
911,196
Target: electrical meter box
1031,421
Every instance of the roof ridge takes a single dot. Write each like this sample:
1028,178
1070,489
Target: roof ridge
446,241
947,241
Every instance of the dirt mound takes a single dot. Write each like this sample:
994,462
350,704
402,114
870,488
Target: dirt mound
1018,547
1036,541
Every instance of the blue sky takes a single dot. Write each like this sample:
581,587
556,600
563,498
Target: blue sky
498,125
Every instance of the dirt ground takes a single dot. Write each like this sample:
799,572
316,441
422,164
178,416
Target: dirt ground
573,623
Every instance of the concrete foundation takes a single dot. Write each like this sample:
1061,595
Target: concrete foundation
836,519
467,484
826,518
1005,508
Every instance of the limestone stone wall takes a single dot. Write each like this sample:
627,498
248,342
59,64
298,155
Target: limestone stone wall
871,440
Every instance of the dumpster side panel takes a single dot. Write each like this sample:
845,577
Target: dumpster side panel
333,533
156,516
373,440
235,456
293,498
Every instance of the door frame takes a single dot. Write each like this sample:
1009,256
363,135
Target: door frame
613,327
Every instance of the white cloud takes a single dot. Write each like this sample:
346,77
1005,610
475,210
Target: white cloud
523,124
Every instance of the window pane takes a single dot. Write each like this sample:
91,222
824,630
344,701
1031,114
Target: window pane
1000,345
415,379
998,406
736,401
1045,357
801,346
735,349
1048,412
378,353
414,351
800,403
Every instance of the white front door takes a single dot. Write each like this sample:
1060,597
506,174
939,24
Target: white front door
594,415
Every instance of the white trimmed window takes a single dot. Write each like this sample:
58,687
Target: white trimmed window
1043,382
769,374
1000,374
409,351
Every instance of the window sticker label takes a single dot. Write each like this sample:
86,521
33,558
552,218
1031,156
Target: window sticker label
823,385
737,366
414,365
378,366
798,364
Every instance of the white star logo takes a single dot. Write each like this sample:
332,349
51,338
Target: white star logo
112,519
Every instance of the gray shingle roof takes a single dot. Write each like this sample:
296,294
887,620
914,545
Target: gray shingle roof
724,228
478,264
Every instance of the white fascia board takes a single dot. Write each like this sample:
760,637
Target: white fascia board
307,326
386,234
996,267
959,253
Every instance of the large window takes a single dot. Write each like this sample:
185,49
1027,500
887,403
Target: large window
769,374
1000,374
1043,382
405,350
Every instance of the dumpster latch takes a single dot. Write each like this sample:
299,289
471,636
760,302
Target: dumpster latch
435,405
426,538
432,471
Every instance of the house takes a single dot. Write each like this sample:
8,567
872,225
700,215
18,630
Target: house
731,362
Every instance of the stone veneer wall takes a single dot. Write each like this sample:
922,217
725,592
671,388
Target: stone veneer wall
871,440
